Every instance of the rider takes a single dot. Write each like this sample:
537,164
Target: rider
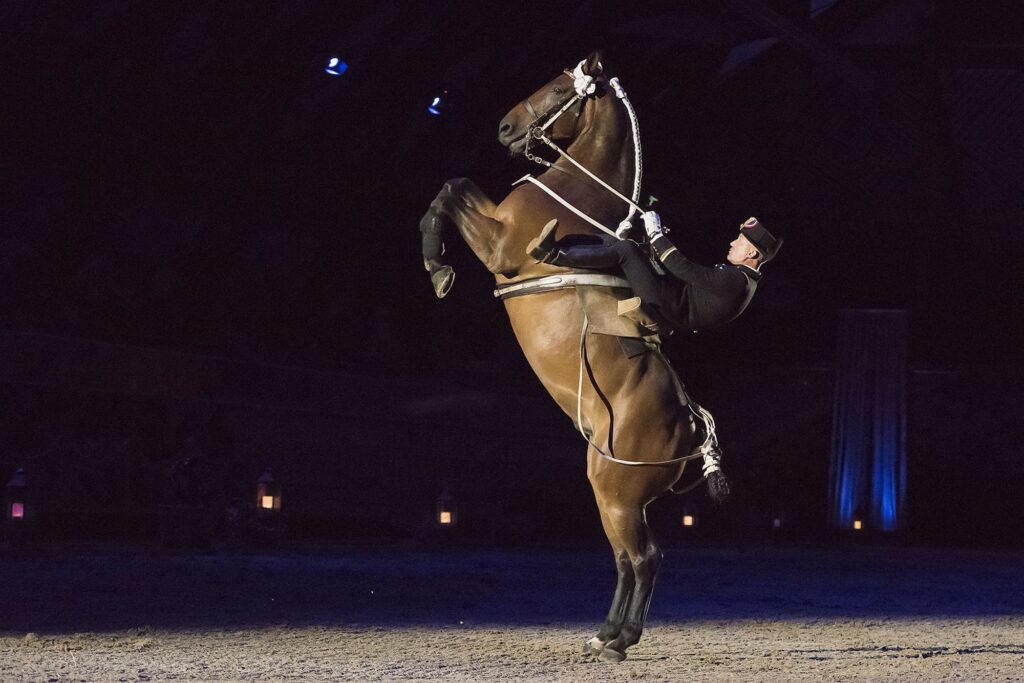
697,297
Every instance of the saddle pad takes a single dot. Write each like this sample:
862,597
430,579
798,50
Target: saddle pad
601,304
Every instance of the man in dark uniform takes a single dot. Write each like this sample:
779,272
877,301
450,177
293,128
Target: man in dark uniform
695,297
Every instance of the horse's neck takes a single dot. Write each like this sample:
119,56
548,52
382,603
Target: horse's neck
605,146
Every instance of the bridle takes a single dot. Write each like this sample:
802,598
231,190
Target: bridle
584,87
537,130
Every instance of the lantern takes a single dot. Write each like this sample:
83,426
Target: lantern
689,515
16,503
446,513
858,519
268,493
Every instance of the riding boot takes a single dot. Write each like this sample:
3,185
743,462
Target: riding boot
542,248
590,256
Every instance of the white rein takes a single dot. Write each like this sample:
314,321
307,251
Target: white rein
585,86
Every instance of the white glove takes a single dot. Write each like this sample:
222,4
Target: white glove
652,224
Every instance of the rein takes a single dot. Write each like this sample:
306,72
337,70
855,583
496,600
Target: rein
585,87
708,450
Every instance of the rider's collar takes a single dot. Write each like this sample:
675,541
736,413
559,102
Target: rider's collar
752,273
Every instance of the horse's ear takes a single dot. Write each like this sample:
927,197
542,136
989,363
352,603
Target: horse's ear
592,64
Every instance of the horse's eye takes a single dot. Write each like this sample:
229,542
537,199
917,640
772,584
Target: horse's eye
558,90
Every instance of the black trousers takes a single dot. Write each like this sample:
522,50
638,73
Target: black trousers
663,293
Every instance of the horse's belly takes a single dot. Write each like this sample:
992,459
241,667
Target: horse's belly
548,328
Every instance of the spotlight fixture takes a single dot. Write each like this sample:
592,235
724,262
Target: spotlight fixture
436,106
336,66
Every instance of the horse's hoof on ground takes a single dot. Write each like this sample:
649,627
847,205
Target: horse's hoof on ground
593,646
442,279
610,655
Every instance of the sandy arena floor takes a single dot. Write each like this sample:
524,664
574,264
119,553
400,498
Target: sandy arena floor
852,613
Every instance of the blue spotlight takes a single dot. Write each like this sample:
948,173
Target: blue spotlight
336,66
435,106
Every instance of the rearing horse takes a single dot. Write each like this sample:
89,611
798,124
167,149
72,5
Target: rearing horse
610,378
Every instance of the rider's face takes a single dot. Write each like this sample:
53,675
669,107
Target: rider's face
740,250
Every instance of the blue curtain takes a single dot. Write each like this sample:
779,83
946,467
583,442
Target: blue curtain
868,474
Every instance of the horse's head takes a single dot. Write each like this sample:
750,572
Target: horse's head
542,110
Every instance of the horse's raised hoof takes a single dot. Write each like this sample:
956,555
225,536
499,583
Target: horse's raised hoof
542,247
442,279
610,655
594,646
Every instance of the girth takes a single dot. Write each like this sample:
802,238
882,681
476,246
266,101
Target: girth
550,283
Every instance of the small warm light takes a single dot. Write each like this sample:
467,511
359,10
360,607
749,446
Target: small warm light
687,520
856,525
17,511
268,493
444,517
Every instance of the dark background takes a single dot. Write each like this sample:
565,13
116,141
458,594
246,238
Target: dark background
210,260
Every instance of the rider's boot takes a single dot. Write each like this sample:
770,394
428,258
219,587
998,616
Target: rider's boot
542,248
597,253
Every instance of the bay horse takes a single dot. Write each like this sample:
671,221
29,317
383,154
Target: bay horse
631,403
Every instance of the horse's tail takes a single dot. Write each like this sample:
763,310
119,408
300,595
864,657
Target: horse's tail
719,487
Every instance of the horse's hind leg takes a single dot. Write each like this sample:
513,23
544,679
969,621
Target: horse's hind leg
645,558
623,590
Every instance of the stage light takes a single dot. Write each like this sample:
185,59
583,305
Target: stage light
688,520
336,66
436,106
777,523
857,525
268,493
446,513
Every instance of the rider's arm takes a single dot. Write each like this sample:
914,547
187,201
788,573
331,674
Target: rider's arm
715,279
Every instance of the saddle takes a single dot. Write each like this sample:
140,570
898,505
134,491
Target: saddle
609,311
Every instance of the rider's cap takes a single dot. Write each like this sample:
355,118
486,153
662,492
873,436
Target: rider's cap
758,235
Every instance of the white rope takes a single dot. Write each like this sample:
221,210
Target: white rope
566,204
585,86
634,206
637,155
606,456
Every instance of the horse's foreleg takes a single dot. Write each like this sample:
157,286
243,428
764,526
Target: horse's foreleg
462,203
645,558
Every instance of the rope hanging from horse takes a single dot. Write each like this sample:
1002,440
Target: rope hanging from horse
708,450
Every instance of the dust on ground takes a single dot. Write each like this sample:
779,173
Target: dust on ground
765,613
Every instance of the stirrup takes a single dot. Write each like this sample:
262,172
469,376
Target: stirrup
542,248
